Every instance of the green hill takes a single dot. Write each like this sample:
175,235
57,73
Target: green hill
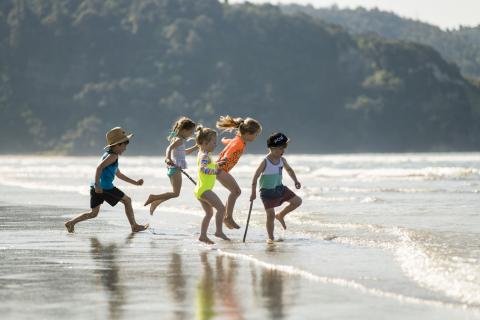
70,70
461,46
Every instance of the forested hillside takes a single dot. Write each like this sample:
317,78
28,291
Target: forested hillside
461,46
71,69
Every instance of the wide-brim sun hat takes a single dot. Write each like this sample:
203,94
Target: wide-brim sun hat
115,136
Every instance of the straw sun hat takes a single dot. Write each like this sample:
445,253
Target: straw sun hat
115,136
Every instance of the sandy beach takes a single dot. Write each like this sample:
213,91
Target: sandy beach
102,271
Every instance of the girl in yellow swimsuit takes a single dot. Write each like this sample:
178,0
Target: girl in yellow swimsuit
206,139
247,130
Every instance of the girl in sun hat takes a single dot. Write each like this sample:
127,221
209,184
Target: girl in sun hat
103,188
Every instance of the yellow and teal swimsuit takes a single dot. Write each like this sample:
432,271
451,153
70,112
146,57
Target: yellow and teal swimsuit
207,174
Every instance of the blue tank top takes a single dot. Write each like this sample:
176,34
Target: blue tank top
108,174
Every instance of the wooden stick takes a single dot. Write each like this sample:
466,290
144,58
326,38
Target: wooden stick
188,176
248,220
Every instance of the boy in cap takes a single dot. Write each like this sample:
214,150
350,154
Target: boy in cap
103,188
272,192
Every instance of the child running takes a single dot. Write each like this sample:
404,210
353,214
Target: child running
103,188
247,130
206,139
181,131
272,192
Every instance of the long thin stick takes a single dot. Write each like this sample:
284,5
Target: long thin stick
188,176
248,220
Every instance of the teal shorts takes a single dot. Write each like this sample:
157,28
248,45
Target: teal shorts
171,171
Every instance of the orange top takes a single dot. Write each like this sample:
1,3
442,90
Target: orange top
232,152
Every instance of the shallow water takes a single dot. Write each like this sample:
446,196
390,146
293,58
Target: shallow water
405,232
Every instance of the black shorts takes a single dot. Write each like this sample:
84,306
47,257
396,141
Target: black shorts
112,196
272,198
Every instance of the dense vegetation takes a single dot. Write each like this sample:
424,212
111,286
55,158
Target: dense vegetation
461,46
71,69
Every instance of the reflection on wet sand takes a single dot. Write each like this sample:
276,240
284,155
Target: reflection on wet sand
226,286
216,290
205,295
272,289
177,284
108,272
219,282
272,293
269,288
220,279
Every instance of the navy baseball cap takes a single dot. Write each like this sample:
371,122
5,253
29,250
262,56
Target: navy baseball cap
277,140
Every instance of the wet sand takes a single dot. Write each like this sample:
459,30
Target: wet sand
104,272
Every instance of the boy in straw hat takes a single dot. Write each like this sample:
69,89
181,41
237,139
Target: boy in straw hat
103,189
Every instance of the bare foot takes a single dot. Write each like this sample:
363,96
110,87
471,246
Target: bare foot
280,219
206,240
230,223
222,236
69,226
227,223
235,225
154,206
139,227
149,200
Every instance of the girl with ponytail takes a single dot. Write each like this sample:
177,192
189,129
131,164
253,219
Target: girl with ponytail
182,130
246,130
208,169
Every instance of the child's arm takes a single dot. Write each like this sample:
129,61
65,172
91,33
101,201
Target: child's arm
192,149
259,171
226,141
204,161
291,173
123,177
168,156
111,158
231,153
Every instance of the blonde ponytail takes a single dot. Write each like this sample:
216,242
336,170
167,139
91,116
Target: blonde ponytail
244,126
228,123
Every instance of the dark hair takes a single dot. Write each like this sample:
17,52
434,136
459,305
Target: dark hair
183,123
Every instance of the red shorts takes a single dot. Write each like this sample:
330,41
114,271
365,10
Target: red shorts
272,198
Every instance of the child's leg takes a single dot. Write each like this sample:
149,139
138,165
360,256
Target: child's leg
214,201
229,182
270,222
127,202
155,200
205,222
176,182
70,225
294,203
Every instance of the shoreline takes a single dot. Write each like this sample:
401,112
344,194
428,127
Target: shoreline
376,237
126,272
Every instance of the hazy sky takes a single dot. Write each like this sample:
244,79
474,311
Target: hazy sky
443,13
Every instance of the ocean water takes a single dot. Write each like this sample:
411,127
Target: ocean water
377,236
